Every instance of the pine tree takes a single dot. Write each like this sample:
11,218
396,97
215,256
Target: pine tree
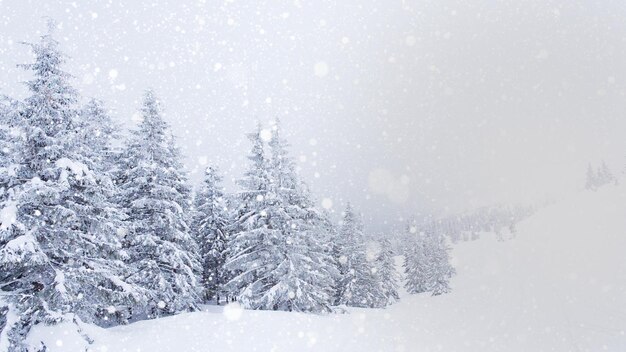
441,270
605,176
427,265
60,251
306,272
359,286
277,251
153,189
387,273
210,227
416,265
98,131
248,249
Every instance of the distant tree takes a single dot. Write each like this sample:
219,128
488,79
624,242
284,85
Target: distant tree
427,265
416,264
387,273
210,227
601,177
163,254
604,175
440,269
359,286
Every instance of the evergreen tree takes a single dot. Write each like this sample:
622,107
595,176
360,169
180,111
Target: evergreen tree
359,286
248,248
153,190
210,227
98,131
416,265
427,265
60,250
387,273
604,175
305,275
440,271
277,251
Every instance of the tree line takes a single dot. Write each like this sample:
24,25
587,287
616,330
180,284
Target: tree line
102,235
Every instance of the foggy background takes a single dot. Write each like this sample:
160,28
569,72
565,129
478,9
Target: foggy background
402,107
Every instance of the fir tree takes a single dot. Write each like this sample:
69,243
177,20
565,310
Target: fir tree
277,251
358,286
604,175
98,131
387,273
416,265
427,265
305,274
60,251
440,271
248,247
162,253
210,227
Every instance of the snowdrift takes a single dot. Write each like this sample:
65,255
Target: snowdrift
560,285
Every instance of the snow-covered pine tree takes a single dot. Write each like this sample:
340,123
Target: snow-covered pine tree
210,228
249,249
98,131
427,265
305,272
440,270
359,286
604,175
153,189
387,273
60,251
278,251
416,264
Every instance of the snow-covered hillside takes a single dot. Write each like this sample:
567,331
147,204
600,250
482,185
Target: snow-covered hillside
560,285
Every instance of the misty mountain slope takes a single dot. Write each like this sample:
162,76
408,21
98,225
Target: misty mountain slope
560,285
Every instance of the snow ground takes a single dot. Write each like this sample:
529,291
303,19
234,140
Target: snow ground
560,285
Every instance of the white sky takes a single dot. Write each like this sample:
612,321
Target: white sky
402,107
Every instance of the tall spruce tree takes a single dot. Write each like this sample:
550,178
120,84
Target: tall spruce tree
60,249
359,285
98,131
416,265
387,273
249,247
210,227
153,189
427,265
305,272
279,251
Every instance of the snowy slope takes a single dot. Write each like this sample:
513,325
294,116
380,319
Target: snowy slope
560,285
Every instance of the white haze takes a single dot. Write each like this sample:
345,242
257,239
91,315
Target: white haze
402,107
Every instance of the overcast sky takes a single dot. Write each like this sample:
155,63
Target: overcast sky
402,107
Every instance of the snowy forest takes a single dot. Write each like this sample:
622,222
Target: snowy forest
333,176
105,235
